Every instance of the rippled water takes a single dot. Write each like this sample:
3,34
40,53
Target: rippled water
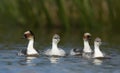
10,62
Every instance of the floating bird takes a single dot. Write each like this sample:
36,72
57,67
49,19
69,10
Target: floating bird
30,51
97,52
87,51
55,51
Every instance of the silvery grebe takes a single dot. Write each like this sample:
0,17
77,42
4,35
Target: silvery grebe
30,51
55,51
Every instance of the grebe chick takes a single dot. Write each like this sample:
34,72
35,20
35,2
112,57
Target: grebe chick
97,52
55,51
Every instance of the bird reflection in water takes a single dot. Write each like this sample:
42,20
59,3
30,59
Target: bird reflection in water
98,61
30,60
54,59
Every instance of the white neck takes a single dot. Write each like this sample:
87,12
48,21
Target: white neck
30,48
55,50
87,48
97,52
54,46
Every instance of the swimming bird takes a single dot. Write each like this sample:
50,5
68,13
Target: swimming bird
87,51
86,38
97,51
75,52
30,51
55,51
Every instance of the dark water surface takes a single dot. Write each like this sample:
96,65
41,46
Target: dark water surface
11,63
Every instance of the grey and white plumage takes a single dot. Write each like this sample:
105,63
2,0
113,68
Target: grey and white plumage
98,54
87,51
30,51
86,38
76,52
55,51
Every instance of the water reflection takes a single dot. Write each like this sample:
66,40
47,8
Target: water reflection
97,61
30,60
54,59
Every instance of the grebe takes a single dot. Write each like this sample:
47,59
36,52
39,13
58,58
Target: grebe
86,38
97,52
87,51
30,51
55,51
76,52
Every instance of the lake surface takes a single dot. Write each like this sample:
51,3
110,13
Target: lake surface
11,43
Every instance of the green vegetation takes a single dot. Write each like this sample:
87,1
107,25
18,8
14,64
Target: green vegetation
67,14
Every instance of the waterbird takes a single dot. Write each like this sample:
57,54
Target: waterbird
30,50
86,38
87,51
55,51
97,52
75,52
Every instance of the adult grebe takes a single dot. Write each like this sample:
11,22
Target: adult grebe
86,38
87,51
30,51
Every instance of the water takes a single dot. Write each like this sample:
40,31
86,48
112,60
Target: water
10,62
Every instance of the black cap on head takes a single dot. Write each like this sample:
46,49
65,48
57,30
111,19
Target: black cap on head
87,36
28,34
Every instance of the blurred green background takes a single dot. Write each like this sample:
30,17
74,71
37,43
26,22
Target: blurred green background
68,18
84,15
